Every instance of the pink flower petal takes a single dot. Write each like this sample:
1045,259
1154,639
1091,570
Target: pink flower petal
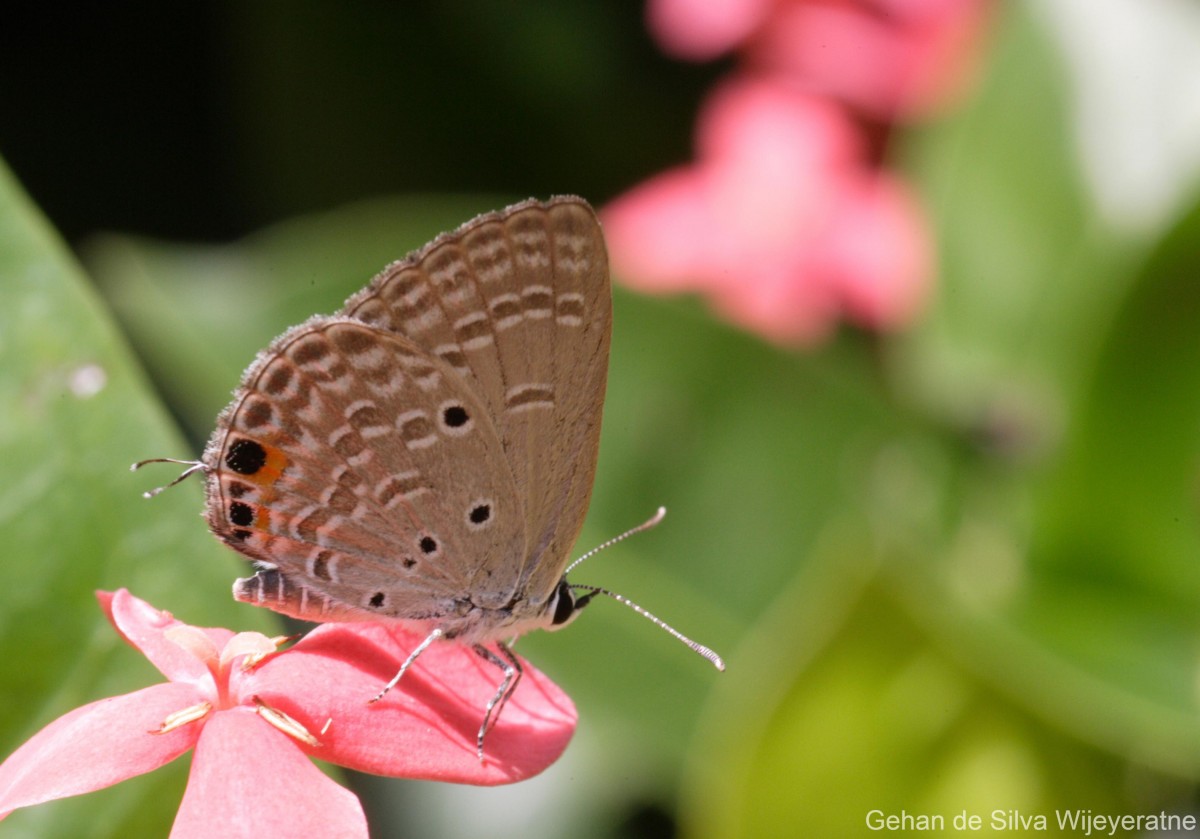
145,627
426,726
879,254
901,60
945,41
747,224
773,162
250,780
775,159
98,745
657,233
748,117
788,303
703,29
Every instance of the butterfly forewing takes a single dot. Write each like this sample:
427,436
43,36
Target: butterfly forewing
351,461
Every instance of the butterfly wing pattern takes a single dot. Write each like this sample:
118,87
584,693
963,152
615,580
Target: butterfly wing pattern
427,453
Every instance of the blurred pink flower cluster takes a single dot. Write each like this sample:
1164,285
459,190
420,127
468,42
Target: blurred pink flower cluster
787,220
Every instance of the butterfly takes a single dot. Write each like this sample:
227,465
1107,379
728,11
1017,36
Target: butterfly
427,453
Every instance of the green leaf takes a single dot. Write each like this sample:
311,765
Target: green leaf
75,412
875,720
1115,579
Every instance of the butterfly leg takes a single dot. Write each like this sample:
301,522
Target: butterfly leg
424,645
511,665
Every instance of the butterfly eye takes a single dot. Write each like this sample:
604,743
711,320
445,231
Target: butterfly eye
565,607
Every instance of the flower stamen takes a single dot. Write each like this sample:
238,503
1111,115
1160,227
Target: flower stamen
182,717
285,723
252,660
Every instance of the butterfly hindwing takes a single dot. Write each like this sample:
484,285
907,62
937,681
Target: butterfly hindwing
365,470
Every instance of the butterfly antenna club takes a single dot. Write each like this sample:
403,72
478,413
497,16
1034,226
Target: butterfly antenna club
649,523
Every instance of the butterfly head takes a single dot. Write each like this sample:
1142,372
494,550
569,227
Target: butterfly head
564,606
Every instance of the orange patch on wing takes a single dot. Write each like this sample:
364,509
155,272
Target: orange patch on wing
276,462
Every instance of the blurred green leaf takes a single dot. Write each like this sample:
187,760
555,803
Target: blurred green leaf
1004,616
876,718
1066,366
1115,553
1028,269
74,413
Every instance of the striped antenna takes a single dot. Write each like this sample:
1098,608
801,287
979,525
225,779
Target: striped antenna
192,467
592,591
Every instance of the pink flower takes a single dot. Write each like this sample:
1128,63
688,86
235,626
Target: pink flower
254,717
700,30
787,220
779,221
889,58
893,59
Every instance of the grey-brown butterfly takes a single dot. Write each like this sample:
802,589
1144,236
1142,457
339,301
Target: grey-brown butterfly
427,453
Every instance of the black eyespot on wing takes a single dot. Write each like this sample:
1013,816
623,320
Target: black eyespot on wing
241,514
246,457
428,544
377,600
408,562
480,513
455,416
